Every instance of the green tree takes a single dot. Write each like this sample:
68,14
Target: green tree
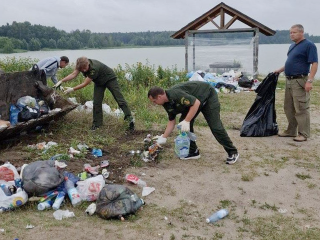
8,47
52,43
34,44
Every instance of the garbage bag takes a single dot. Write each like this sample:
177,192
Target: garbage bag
245,82
261,120
40,177
28,113
116,201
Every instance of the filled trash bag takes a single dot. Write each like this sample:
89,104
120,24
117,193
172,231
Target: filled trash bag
40,177
261,120
115,201
245,82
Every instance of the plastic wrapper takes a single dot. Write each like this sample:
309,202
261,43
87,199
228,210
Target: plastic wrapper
8,172
115,201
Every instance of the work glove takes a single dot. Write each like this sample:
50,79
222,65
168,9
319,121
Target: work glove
160,139
57,84
68,90
185,126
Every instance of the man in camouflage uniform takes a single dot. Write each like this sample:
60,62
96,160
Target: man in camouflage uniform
103,77
189,99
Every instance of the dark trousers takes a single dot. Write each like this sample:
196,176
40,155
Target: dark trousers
211,112
98,96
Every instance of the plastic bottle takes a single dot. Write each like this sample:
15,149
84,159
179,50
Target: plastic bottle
182,145
44,205
217,216
59,199
192,136
72,192
6,190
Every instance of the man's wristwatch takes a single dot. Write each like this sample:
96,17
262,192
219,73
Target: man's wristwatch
310,80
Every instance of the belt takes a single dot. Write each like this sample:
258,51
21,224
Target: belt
296,76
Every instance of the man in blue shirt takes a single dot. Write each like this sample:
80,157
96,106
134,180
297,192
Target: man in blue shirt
299,78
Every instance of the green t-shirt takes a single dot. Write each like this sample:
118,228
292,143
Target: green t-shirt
99,72
182,96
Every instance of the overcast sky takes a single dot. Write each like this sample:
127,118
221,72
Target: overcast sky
154,15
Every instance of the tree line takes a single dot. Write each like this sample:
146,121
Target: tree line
30,37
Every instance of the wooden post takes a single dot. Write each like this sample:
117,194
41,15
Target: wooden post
256,53
194,52
186,47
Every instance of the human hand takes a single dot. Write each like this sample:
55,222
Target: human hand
68,90
57,84
185,126
308,86
161,140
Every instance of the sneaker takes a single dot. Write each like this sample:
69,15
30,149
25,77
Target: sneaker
232,158
131,125
194,155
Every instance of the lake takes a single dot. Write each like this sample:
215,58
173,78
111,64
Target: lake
271,56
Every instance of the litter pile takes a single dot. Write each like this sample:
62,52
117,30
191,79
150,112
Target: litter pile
51,184
228,82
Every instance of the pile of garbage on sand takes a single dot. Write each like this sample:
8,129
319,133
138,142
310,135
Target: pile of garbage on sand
51,185
228,82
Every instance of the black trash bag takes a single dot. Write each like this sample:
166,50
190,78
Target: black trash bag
41,177
261,120
28,113
115,201
245,82
44,109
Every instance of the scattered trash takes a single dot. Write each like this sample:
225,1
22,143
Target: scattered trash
282,210
60,214
104,163
90,188
147,190
217,216
60,165
82,147
73,151
73,193
134,179
91,209
58,201
29,226
97,152
93,170
45,205
105,173
1,230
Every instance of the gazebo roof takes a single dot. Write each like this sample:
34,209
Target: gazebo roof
222,9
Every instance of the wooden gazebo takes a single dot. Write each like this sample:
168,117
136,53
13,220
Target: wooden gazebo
221,10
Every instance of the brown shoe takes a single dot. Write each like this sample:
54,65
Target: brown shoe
284,134
300,138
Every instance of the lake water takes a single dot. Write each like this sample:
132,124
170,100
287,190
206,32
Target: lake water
271,56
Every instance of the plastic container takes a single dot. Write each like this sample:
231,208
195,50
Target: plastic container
6,190
73,193
217,216
192,136
44,205
182,145
59,199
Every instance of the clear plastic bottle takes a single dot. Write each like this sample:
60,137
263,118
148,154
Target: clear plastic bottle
44,205
217,216
59,199
72,192
6,190
182,145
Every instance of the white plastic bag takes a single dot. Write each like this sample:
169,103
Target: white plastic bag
60,214
15,200
90,188
8,172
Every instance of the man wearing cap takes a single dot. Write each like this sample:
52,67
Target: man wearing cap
299,78
189,99
51,65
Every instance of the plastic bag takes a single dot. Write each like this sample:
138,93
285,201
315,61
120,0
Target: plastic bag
27,113
90,188
15,200
27,101
261,120
8,172
116,201
245,82
40,177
